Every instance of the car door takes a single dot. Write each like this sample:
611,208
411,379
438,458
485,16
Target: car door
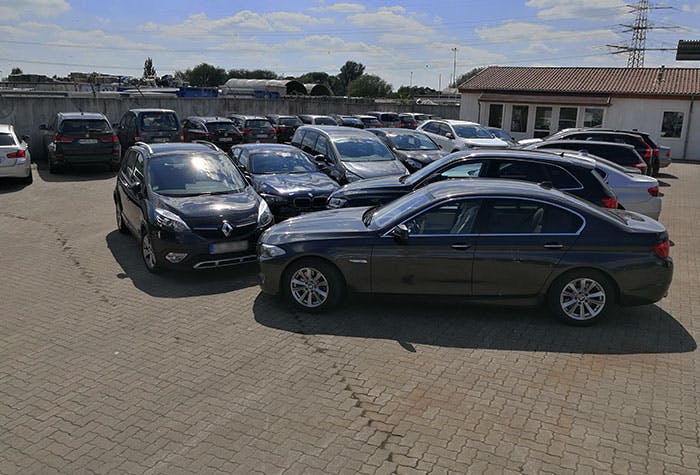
333,166
133,202
432,129
124,179
437,256
520,242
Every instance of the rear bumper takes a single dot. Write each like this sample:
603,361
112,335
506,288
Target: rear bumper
21,170
650,291
664,162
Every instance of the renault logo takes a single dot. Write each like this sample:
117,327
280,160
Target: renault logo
226,229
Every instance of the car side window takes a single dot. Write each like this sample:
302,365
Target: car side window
236,153
464,170
138,168
128,167
522,170
445,129
562,179
516,216
432,127
452,218
244,159
321,147
307,143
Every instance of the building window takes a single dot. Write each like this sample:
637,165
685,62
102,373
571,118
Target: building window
543,121
672,125
496,115
518,121
567,117
592,117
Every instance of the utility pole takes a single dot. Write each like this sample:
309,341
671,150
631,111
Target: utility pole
454,68
411,83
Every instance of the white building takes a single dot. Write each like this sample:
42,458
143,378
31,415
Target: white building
537,101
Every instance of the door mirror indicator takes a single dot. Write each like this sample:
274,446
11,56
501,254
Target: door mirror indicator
400,233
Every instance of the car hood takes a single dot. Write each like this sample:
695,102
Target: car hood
330,224
196,210
485,142
375,169
362,186
422,156
290,184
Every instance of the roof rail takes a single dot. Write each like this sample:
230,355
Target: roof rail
145,145
208,144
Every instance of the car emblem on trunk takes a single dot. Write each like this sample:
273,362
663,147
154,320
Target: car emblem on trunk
226,228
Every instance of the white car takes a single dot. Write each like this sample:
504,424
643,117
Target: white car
454,135
15,160
635,192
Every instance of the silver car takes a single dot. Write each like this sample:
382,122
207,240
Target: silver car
454,135
15,160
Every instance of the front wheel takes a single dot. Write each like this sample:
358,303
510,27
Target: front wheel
148,254
581,297
313,285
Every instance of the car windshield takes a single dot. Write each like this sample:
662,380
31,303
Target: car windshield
397,209
221,127
290,121
324,121
472,132
159,121
82,126
362,150
258,124
282,161
193,174
501,134
412,141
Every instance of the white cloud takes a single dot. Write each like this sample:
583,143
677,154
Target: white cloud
391,19
690,8
340,7
12,10
581,9
525,33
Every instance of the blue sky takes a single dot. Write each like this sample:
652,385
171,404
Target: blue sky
403,42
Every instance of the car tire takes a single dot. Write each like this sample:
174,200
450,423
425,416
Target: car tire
148,254
121,225
581,297
29,178
313,285
53,166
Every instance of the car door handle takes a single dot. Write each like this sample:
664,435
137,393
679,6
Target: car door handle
461,247
552,245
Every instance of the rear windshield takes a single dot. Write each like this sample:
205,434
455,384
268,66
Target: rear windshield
290,121
412,141
325,121
159,121
370,121
363,150
83,126
472,132
221,127
7,139
389,117
258,124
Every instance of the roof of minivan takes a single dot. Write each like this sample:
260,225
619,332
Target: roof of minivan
140,111
209,118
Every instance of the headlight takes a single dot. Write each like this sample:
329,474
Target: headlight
268,251
264,214
169,221
337,202
276,199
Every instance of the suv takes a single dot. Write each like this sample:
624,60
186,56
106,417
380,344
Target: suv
622,154
388,119
317,119
189,206
149,126
454,135
77,138
220,131
256,129
348,154
349,121
407,121
369,121
285,126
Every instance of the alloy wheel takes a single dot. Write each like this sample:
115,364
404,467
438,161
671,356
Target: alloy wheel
582,299
309,287
149,255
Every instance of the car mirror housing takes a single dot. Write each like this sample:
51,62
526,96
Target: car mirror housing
136,187
320,158
400,233
449,135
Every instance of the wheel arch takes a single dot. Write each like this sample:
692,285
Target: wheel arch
570,270
309,257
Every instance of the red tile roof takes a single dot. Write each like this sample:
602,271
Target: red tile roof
572,80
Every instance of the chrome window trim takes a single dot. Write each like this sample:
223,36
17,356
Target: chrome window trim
481,197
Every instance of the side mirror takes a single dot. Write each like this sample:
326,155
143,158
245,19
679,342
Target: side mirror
43,127
449,136
136,187
320,158
400,233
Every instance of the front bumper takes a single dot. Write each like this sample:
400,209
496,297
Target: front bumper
271,274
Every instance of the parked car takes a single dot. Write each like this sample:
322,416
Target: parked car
349,121
80,138
570,174
498,241
255,129
317,119
149,126
349,154
285,126
503,135
287,178
415,149
622,154
189,206
661,155
454,135
15,159
388,119
634,191
369,121
407,121
220,131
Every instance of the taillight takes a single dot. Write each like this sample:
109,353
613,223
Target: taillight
653,191
137,138
17,154
656,152
110,138
182,137
58,138
663,249
641,166
668,153
648,152
610,202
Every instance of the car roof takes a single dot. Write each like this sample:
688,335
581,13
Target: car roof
5,128
584,142
557,158
397,130
266,146
82,115
209,118
496,187
458,122
365,116
602,132
178,147
141,111
338,131
249,117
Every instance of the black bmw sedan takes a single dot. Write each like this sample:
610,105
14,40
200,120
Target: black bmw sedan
491,240
285,177
189,206
414,148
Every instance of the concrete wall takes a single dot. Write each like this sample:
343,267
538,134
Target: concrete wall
27,112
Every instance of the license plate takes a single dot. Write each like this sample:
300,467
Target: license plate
226,139
224,247
261,136
87,141
160,139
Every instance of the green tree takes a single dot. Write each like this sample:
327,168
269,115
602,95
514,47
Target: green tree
348,73
203,75
466,76
251,74
369,85
16,71
409,92
316,77
148,70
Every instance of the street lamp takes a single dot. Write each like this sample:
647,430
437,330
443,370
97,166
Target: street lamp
454,68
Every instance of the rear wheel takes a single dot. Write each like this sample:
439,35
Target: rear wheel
581,297
313,285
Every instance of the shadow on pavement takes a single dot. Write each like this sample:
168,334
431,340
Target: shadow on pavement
448,322
12,185
75,173
176,284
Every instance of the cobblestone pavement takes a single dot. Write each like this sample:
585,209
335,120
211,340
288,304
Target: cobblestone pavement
105,368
